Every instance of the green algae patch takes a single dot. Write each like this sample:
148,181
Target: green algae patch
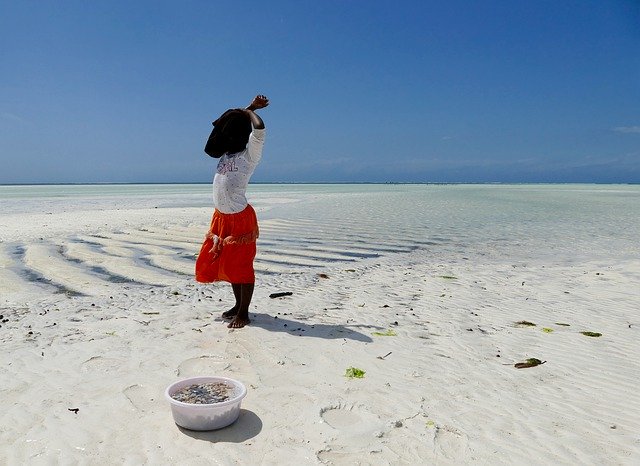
591,334
547,330
563,325
524,323
354,373
388,333
531,362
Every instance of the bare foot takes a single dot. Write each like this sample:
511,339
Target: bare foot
239,322
231,313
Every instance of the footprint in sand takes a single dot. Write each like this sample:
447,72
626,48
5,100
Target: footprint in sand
355,435
101,364
141,397
340,417
247,364
451,444
202,365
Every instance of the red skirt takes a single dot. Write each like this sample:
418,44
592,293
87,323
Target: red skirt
229,248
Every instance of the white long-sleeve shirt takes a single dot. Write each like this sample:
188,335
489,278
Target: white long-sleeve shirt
233,173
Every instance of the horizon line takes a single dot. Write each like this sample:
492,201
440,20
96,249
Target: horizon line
125,183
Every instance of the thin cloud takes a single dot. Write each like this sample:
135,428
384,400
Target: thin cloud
628,161
627,129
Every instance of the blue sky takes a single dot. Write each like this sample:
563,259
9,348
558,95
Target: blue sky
404,91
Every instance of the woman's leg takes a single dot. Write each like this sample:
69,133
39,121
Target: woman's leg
242,316
231,313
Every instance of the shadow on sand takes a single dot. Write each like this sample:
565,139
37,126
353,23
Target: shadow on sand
295,327
246,427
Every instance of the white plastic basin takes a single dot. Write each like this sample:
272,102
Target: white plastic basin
206,416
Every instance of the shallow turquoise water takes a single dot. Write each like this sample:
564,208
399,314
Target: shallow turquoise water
568,221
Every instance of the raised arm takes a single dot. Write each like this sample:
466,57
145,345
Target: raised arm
258,102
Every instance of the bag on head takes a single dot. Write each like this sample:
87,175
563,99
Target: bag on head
230,134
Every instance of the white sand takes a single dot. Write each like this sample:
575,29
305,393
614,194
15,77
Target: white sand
447,393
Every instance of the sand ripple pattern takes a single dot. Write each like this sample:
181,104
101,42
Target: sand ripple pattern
95,263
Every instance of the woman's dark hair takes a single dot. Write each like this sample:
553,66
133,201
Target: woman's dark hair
230,134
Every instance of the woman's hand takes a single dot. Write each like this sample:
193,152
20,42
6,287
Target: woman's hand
259,101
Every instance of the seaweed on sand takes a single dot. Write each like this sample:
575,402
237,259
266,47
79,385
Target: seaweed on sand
388,333
524,323
354,373
531,362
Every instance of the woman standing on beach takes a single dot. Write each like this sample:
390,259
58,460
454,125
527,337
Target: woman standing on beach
230,245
